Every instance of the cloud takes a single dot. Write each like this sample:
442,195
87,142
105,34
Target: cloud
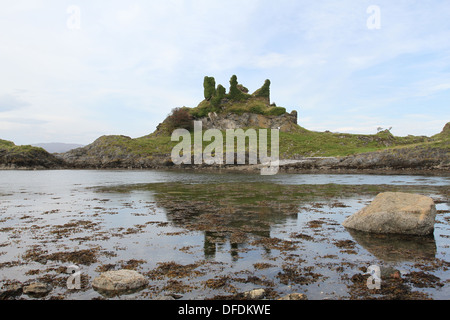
23,121
9,102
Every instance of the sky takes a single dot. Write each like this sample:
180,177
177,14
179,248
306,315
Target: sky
72,71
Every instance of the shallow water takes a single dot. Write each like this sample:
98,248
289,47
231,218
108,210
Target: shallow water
192,236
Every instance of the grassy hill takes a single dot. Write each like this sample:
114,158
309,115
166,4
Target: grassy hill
12,156
153,150
304,144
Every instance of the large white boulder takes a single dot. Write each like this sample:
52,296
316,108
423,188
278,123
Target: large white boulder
396,212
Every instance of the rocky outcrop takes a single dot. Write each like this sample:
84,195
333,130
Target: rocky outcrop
28,157
285,123
399,161
446,130
396,213
112,152
408,159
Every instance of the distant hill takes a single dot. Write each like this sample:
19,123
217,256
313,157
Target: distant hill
57,147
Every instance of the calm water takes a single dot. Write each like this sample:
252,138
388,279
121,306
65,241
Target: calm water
46,212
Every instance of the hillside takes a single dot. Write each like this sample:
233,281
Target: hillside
382,150
14,157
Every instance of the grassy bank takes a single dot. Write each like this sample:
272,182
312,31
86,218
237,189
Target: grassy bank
12,156
118,151
304,143
12,149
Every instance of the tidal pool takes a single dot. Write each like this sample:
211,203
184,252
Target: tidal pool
215,236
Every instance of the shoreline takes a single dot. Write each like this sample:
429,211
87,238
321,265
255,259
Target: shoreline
387,172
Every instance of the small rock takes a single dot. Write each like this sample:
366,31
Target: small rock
11,291
174,295
37,289
294,296
119,281
255,294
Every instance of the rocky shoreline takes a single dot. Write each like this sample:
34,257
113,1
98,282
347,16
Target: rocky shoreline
31,158
104,154
302,166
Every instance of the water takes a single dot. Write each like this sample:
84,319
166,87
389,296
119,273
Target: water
50,220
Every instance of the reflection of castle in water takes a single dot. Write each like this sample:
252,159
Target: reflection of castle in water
223,225
214,241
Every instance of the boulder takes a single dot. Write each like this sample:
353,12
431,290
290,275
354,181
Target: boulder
119,281
396,213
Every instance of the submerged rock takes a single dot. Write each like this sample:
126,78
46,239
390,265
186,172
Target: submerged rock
119,281
11,291
255,294
396,213
294,296
37,289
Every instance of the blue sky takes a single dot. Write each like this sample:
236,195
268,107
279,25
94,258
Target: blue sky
121,66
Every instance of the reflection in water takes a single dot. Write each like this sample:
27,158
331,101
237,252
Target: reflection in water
396,248
226,213
213,241
231,225
235,215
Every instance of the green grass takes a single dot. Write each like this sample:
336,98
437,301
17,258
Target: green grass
301,143
4,144
12,149
251,105
327,144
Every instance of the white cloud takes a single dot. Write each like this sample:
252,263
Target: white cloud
10,102
129,16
